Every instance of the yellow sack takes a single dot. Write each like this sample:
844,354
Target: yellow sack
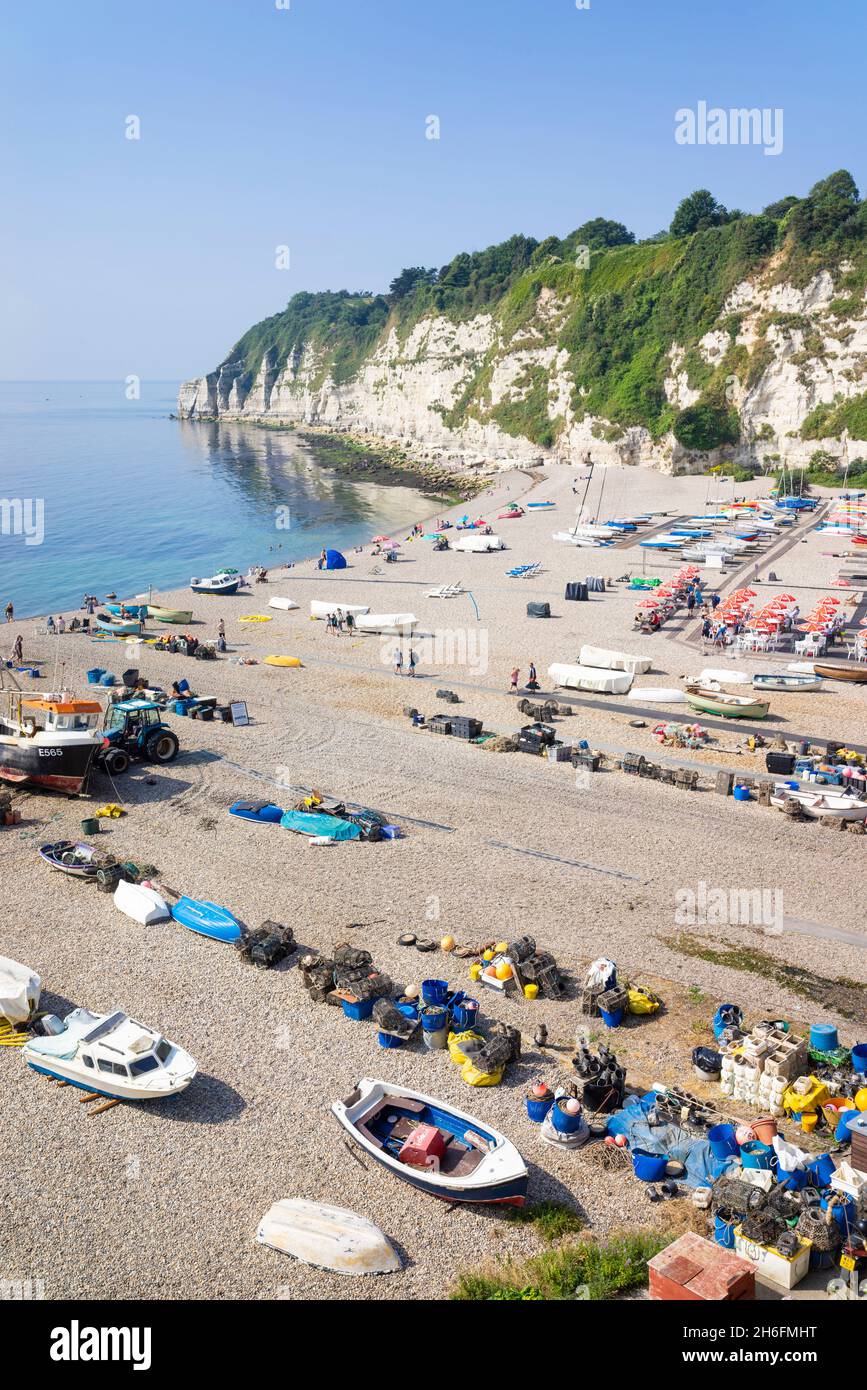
473,1077
455,1040
641,1001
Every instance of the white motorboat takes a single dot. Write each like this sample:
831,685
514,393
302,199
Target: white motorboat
223,583
112,1055
577,677
398,624
318,609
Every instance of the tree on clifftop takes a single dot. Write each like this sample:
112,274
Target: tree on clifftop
404,283
698,212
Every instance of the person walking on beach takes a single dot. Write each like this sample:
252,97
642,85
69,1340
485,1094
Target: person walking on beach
350,623
706,631
18,650
532,682
398,661
413,662
690,602
221,629
339,622
714,602
513,688
10,612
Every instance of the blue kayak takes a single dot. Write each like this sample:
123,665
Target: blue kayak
208,919
265,812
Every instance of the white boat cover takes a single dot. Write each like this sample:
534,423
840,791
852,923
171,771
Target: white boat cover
478,542
657,695
724,677
142,904
327,1237
278,602
322,610
605,682
386,622
613,661
19,990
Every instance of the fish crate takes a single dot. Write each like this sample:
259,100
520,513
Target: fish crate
464,727
439,724
582,757
770,1265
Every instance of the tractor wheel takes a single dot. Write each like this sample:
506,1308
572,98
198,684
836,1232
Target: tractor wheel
162,747
116,761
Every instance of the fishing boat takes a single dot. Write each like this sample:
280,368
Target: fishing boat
816,804
120,627
80,861
781,681
112,1055
207,919
222,583
326,1237
128,610
143,904
49,741
263,812
707,701
433,1146
856,672
541,504
170,615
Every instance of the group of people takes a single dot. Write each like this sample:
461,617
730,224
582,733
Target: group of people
411,662
532,679
337,621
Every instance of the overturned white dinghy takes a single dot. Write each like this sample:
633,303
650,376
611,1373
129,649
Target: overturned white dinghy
723,677
657,695
613,661
141,903
278,602
396,623
318,609
478,542
327,1237
20,988
604,682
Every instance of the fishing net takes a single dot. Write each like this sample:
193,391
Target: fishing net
813,1224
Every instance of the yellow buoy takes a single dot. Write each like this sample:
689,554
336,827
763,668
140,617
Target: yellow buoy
501,948
504,970
447,943
487,955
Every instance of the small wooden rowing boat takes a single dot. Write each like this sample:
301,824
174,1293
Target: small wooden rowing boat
781,681
327,1237
208,919
81,861
433,1146
726,706
834,671
816,804
170,615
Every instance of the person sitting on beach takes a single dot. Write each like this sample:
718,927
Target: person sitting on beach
61,624
74,625
322,560
50,624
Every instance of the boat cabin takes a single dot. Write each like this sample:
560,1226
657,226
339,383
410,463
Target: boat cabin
50,715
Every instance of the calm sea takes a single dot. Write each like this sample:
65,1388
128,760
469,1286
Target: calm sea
130,498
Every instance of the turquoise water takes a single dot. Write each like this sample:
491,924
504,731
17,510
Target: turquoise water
132,498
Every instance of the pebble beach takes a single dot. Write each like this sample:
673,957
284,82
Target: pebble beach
163,1200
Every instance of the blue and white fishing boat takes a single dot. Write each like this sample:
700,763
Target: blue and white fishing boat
128,610
433,1146
112,1055
663,543
541,504
226,582
207,919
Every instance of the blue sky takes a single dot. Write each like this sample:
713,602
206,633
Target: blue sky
305,127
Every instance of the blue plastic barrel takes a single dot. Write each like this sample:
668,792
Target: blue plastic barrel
859,1058
94,676
537,1109
433,1018
822,1169
841,1133
389,1040
722,1141
648,1167
562,1122
465,1014
742,794
611,1020
434,991
756,1155
823,1038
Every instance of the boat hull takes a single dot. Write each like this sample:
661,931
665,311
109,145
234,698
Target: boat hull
856,674
707,704
229,586
73,1076
207,919
171,615
63,768
793,684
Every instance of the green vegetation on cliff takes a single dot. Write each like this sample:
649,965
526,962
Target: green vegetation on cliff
613,306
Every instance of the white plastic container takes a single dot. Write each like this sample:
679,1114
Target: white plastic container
770,1265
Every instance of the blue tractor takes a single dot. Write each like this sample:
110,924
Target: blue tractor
135,729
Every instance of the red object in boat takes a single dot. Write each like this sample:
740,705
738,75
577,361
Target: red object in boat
424,1145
